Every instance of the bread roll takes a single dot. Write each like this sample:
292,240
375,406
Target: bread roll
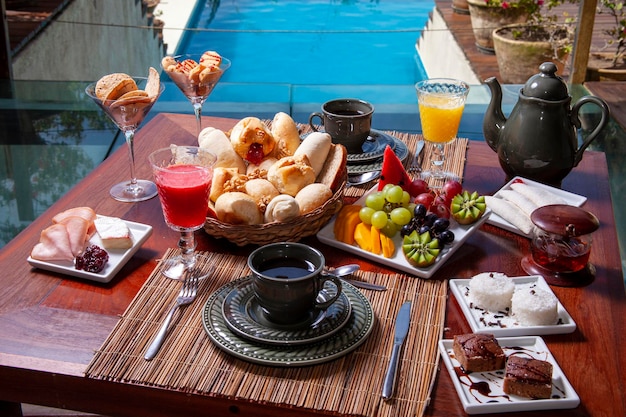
315,147
251,133
282,208
313,196
218,184
217,142
237,208
334,167
286,134
263,166
291,174
262,191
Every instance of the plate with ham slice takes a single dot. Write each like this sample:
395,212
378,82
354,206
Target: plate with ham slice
70,233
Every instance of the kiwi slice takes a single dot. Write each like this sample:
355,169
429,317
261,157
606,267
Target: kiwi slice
421,250
467,208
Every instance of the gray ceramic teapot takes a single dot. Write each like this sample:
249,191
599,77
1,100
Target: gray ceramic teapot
539,139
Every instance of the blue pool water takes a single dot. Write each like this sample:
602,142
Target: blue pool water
330,42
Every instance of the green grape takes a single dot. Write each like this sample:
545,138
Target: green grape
365,214
386,188
394,194
400,216
390,229
379,219
375,200
406,199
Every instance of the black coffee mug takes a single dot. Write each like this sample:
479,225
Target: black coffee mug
348,121
288,279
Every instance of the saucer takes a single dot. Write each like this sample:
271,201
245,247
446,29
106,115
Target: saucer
349,337
373,148
400,149
245,317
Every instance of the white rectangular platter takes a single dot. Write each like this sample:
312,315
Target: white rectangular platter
398,261
477,401
117,257
498,324
570,198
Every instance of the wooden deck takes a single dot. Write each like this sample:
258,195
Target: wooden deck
485,65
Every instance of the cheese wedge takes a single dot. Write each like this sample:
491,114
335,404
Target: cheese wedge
113,232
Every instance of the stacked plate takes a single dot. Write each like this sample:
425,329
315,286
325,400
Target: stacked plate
371,159
237,324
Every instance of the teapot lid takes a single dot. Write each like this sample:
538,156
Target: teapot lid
546,85
565,220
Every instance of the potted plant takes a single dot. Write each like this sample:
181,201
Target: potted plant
547,36
487,15
609,63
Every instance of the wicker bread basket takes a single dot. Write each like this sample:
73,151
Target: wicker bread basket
292,230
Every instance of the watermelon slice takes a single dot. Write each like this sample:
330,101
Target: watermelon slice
393,171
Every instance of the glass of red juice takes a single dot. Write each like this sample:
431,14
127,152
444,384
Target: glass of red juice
183,177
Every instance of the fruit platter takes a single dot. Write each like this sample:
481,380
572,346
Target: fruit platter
416,235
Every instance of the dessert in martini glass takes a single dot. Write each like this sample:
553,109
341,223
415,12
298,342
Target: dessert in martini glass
196,76
127,100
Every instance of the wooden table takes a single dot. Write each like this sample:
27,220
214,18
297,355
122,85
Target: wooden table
50,325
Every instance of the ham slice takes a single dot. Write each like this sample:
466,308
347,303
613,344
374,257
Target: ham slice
86,213
77,230
54,245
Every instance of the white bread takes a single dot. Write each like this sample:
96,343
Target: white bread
237,208
248,132
262,191
291,174
282,208
313,196
217,142
286,134
334,167
315,146
113,232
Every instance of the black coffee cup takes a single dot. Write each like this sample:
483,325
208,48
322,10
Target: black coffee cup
348,121
287,280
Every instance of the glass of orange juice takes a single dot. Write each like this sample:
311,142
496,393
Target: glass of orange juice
441,102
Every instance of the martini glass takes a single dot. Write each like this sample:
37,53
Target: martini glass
193,85
441,102
183,177
128,114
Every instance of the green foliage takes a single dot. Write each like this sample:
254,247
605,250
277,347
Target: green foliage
616,33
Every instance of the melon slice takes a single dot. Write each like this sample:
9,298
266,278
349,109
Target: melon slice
393,171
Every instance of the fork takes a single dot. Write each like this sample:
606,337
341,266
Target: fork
416,166
187,294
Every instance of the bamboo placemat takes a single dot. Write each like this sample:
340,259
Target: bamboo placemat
190,362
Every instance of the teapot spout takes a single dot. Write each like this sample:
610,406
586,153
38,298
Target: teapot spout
494,119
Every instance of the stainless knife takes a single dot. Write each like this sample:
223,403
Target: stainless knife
402,328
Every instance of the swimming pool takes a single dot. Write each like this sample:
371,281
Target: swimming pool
330,42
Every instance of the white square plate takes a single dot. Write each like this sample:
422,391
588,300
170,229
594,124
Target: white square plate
498,324
398,261
570,198
477,401
117,257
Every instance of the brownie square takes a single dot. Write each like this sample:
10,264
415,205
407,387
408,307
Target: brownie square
527,377
478,352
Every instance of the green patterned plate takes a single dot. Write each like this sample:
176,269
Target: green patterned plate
347,339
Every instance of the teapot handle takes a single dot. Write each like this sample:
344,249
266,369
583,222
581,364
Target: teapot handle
604,108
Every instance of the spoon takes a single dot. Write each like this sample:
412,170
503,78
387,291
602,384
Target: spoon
345,270
363,178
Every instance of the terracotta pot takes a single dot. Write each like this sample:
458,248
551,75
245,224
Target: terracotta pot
518,59
460,6
600,68
487,18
